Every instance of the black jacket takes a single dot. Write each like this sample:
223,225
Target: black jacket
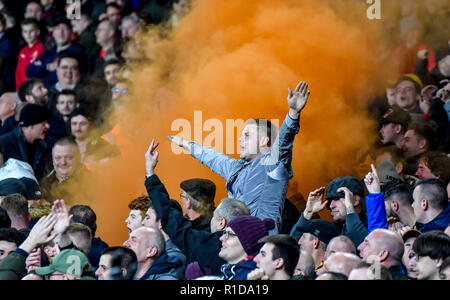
14,145
198,245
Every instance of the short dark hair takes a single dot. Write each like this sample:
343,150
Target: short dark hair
30,21
114,5
84,214
439,164
266,127
16,205
395,152
12,235
435,244
111,61
26,88
121,258
82,111
66,54
67,92
285,247
66,140
401,190
434,190
424,131
5,220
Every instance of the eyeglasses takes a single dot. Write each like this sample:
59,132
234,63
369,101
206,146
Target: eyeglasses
119,91
227,234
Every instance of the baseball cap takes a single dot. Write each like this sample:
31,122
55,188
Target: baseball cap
411,233
70,262
396,115
322,229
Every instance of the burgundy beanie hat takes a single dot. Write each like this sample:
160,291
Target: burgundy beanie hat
249,230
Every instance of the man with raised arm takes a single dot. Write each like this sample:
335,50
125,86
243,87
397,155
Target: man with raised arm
260,178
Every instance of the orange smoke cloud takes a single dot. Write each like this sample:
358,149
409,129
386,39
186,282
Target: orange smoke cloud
235,60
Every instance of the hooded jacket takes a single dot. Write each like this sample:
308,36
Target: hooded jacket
163,268
197,245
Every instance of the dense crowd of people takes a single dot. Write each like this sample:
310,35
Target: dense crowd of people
61,78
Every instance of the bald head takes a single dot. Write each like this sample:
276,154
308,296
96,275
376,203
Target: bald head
342,263
9,102
383,246
340,244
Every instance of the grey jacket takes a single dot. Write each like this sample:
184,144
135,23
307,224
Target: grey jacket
261,183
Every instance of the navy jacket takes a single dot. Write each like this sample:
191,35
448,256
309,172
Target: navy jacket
9,52
198,245
96,251
163,268
238,271
38,69
439,223
15,146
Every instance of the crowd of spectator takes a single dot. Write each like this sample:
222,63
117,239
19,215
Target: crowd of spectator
60,79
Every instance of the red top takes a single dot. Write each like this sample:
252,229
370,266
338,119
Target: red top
26,56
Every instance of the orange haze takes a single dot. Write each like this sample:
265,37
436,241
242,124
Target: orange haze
234,60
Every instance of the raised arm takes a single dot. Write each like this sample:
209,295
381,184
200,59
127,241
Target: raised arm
375,207
174,223
218,162
281,151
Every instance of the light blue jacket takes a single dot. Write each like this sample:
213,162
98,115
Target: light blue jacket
261,183
447,109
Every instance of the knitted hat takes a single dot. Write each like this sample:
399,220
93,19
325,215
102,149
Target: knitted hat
249,230
33,114
10,186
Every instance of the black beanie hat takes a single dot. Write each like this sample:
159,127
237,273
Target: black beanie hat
33,114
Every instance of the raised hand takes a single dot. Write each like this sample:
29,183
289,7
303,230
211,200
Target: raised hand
59,209
349,199
40,234
297,99
372,181
314,203
151,158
